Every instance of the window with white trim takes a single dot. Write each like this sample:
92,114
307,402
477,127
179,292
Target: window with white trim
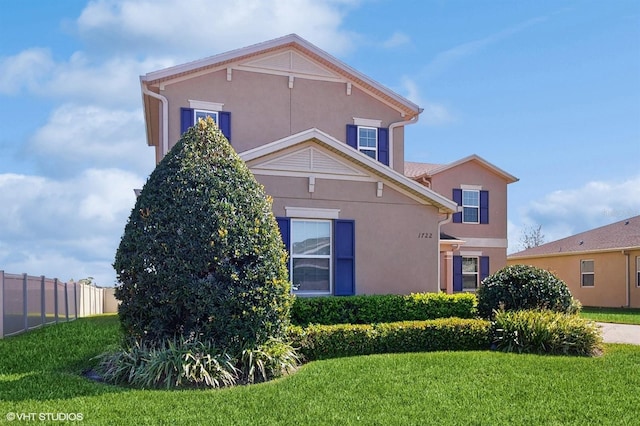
587,276
638,271
470,273
470,206
203,114
368,141
311,256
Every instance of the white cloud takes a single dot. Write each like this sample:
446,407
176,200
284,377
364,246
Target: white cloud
396,39
446,59
570,211
80,135
65,228
434,114
24,70
204,27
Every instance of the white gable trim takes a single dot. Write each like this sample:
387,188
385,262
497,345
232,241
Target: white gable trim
388,176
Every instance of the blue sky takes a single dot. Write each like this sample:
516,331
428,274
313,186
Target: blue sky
547,90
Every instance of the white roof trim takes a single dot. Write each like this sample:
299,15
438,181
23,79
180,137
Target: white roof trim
272,44
389,175
474,157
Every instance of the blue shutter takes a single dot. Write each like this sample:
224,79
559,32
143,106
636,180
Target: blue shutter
457,197
457,273
484,207
186,119
225,124
484,267
383,146
344,258
352,136
284,223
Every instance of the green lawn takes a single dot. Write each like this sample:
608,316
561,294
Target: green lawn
39,374
615,315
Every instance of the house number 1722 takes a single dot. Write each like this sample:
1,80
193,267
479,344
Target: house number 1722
425,235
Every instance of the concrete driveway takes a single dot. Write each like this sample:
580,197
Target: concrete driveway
620,333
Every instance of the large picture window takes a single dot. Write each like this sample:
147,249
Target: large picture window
311,256
587,276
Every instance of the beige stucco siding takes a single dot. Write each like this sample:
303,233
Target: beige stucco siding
472,173
264,109
610,276
390,255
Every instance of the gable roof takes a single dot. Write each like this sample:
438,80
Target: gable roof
419,170
298,44
385,174
616,236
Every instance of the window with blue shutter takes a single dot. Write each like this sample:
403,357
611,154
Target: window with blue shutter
484,267
457,198
345,258
372,141
457,273
307,253
222,119
484,207
475,206
284,223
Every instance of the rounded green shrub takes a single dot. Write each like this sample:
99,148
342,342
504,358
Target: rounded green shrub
517,287
201,255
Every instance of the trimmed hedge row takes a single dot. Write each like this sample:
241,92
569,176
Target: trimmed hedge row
381,308
446,334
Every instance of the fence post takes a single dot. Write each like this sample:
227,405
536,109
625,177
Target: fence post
25,304
55,298
75,298
43,304
66,301
1,304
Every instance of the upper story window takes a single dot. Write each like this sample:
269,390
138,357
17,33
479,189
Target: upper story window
369,138
203,114
200,109
368,141
475,205
470,206
587,276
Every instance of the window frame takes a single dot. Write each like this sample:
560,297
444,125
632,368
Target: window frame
466,274
637,271
584,273
368,148
467,206
212,114
329,256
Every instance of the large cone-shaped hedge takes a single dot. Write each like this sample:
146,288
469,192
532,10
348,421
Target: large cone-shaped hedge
201,254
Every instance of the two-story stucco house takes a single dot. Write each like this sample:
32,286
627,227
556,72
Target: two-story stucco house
327,143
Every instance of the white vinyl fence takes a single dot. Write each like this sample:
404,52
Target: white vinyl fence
28,302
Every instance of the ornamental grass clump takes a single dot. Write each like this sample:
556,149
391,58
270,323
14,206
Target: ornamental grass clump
546,332
202,258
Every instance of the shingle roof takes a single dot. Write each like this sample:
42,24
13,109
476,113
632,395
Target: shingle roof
414,170
619,235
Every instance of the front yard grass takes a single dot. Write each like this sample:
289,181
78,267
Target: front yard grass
613,315
40,373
